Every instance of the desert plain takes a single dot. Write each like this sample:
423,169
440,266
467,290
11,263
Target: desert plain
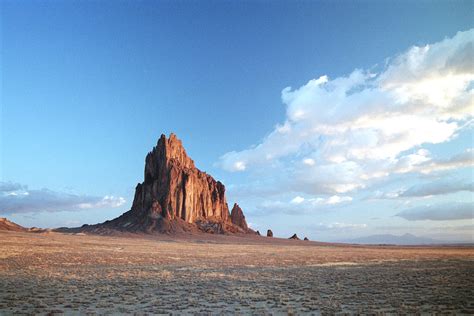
75,274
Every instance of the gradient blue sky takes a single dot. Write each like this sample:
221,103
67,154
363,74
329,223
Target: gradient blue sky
87,88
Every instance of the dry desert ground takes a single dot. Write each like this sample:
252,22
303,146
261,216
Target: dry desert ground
53,273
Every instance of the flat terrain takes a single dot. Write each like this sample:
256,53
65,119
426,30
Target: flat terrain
54,273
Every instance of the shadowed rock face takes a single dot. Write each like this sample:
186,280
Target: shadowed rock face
176,196
269,233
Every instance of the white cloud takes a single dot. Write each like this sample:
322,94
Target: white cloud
107,201
16,198
367,126
239,166
335,199
300,205
297,200
309,162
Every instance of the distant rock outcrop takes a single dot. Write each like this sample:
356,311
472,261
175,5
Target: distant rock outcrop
294,237
238,218
176,196
5,224
269,233
306,238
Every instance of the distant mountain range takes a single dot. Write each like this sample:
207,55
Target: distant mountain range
406,239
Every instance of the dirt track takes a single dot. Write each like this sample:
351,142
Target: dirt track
73,274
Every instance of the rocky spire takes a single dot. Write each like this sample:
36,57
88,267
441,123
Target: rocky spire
175,195
175,188
238,218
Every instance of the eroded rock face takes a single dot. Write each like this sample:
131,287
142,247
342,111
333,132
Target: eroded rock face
175,188
176,196
269,233
238,218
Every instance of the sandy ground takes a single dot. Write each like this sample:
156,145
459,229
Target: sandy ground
76,274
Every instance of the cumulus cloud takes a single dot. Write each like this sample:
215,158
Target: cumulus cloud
439,212
342,133
17,198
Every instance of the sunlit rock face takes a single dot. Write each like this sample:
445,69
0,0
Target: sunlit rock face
175,188
177,196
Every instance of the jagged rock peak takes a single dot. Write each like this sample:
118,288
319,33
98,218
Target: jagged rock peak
176,196
165,151
175,188
238,218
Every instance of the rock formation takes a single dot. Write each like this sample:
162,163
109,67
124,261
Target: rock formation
294,237
269,233
238,218
176,196
306,239
5,224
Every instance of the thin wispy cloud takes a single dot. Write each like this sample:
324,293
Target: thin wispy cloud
334,199
300,205
337,226
429,188
438,187
16,198
439,212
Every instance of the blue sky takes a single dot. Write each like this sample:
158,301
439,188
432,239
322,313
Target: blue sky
88,87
